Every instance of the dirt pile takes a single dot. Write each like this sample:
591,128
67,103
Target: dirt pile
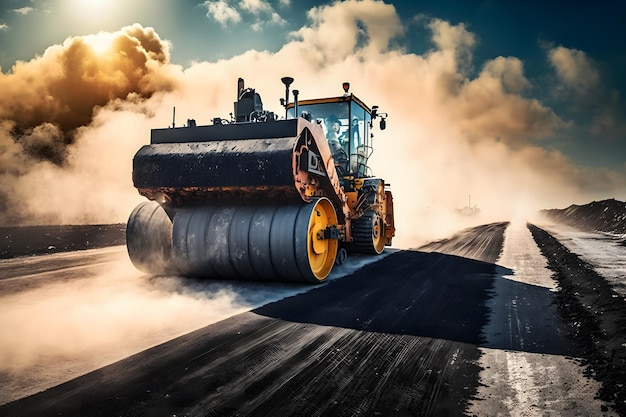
607,216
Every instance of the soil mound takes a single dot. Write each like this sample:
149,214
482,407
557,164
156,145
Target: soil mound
607,216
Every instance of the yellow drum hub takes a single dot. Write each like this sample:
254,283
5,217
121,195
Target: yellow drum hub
321,251
378,235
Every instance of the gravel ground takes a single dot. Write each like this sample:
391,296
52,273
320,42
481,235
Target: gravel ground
596,316
39,240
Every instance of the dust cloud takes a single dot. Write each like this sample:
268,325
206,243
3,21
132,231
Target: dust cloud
105,312
101,314
95,317
451,132
58,162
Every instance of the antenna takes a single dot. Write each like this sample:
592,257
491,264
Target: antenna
174,117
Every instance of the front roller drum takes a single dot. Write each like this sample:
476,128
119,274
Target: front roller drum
285,243
149,239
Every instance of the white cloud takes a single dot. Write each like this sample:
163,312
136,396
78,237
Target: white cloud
263,12
23,10
222,12
4,26
451,37
582,86
455,41
276,19
575,69
255,6
491,106
350,28
260,11
509,71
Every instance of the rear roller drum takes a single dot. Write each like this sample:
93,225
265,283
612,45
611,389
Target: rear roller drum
369,233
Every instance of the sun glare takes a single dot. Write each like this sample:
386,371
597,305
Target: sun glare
95,9
100,43
92,4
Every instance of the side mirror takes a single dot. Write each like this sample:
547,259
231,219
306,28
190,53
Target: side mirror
383,124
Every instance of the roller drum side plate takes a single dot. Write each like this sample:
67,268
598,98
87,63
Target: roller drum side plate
315,257
260,242
149,239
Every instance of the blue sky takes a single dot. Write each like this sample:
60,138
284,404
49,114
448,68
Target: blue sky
518,28
484,97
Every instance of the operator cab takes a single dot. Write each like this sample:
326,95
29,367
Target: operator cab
346,122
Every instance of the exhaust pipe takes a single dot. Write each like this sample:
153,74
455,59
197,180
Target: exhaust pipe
287,81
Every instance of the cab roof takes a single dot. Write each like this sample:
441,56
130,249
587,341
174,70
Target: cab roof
341,99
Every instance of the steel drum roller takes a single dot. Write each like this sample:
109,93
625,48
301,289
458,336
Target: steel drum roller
263,242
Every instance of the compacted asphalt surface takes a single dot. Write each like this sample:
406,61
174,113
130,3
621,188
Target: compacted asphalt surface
406,335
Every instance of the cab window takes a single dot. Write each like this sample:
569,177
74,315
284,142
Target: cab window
334,119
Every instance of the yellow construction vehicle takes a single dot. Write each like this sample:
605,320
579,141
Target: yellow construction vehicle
258,197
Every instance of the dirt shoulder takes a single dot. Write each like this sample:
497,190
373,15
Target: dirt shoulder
39,240
596,316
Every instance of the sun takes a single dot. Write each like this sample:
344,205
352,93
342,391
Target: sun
94,8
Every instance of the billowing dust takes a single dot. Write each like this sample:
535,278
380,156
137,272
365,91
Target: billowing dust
94,316
456,128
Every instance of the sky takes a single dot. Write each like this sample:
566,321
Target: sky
519,105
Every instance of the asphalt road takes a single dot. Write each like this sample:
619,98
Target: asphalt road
429,332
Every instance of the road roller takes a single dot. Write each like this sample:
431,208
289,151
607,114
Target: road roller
259,195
